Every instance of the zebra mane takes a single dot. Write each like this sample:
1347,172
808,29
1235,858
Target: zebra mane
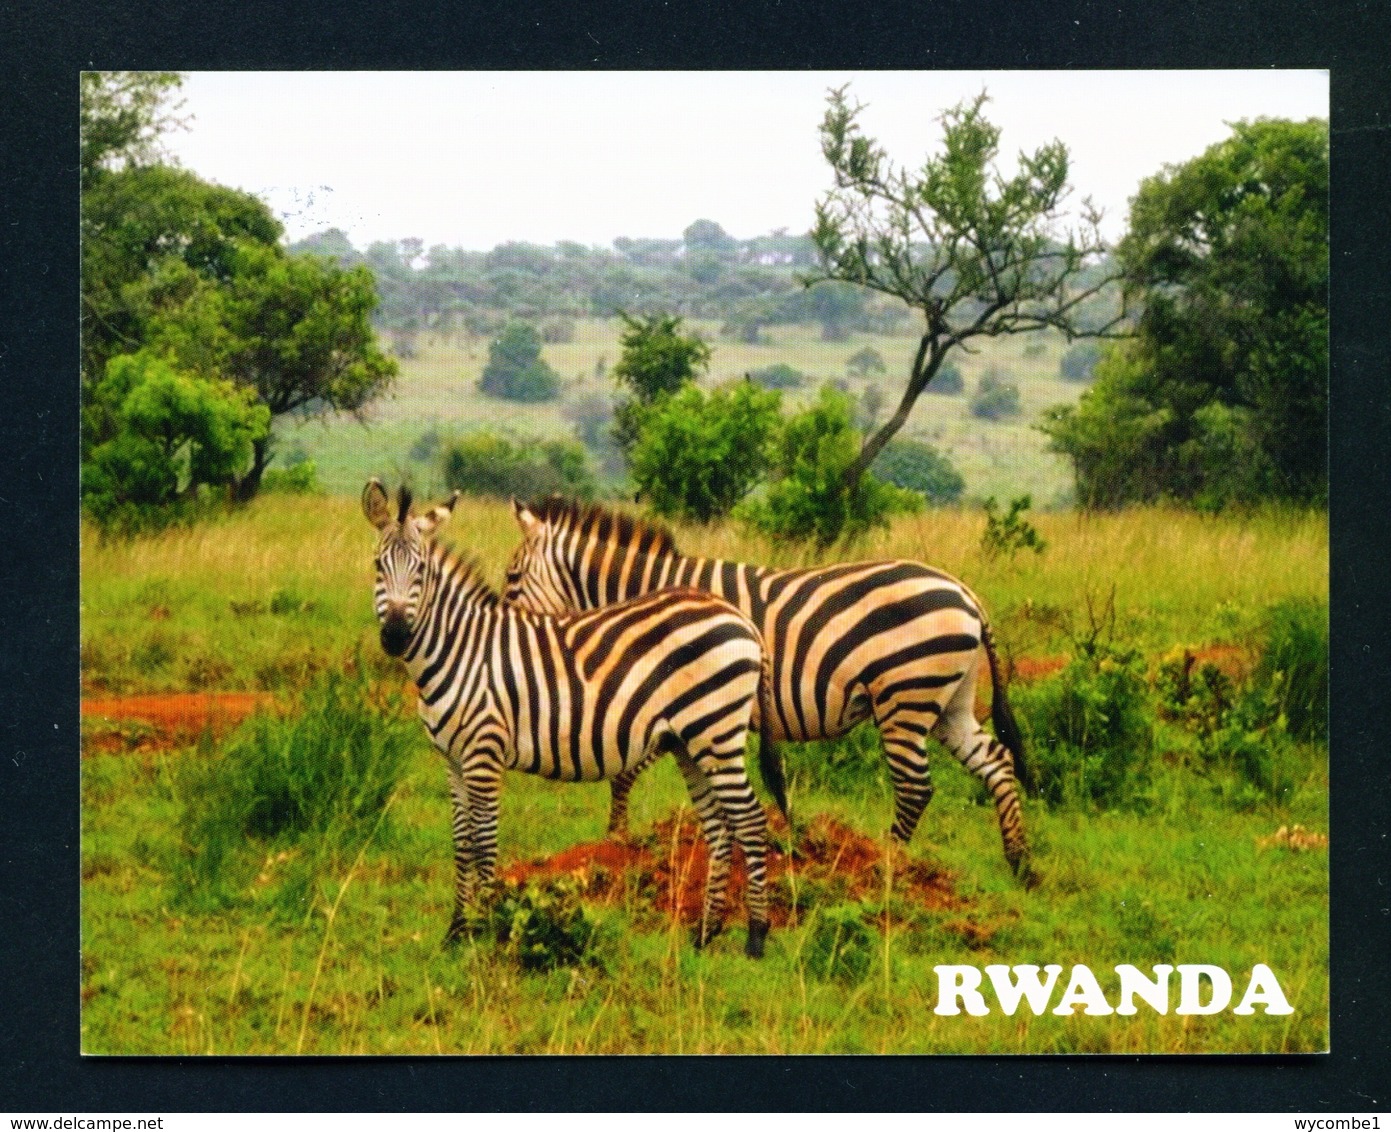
465,571
593,521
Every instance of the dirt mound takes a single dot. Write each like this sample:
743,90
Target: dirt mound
666,868
153,722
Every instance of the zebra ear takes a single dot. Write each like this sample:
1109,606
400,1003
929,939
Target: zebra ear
428,523
376,505
526,518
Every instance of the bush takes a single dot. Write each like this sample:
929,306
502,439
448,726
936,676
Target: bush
1294,666
697,456
515,370
864,362
299,478
915,466
1090,729
1011,533
780,375
808,499
543,925
996,396
503,468
839,945
313,785
1079,361
947,380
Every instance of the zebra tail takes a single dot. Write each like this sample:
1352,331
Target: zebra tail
769,753
1006,727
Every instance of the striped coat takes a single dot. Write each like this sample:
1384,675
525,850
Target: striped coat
895,641
582,697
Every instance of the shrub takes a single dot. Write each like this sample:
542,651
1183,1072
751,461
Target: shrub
1079,361
313,785
915,466
864,362
299,478
543,925
503,468
515,369
839,945
947,380
996,396
1007,535
808,500
697,456
1090,729
1294,666
780,375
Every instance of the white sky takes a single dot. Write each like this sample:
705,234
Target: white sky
479,158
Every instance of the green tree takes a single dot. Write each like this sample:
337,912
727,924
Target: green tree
916,466
697,456
504,467
996,397
122,116
864,362
975,253
516,370
1222,395
174,433
657,361
809,498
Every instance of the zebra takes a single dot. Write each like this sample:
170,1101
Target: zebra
893,641
579,697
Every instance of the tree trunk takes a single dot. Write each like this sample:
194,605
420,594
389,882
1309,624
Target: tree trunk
246,488
925,365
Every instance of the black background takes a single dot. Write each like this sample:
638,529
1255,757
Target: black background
44,46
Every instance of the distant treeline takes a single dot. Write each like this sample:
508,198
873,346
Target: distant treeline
747,285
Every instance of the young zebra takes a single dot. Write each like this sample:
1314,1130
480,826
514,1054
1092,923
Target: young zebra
894,641
578,698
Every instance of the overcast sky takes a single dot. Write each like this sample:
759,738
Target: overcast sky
477,159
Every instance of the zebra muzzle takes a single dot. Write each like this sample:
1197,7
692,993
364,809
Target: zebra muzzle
396,635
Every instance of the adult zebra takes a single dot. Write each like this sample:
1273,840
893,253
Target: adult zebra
894,641
579,698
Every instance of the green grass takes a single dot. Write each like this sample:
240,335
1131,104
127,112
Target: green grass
275,595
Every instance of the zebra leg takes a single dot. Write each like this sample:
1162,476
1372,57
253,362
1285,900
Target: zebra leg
745,816
905,749
619,788
464,881
990,761
716,833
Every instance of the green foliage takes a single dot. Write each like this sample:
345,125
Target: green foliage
947,381
313,785
122,115
1294,666
1222,395
840,946
996,397
1079,361
173,433
657,361
299,478
515,369
697,456
809,499
864,362
506,468
1090,730
543,925
916,466
1007,535
779,375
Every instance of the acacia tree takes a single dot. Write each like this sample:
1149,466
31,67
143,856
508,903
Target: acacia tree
975,253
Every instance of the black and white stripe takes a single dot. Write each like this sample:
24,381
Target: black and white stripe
581,697
895,641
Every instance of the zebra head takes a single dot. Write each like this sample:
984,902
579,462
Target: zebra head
402,559
538,576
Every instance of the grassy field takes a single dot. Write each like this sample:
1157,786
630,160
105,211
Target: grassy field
437,388
325,952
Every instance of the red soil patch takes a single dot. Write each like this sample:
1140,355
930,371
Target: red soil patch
165,719
668,867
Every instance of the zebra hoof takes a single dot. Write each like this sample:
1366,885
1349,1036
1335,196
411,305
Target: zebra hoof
701,935
1026,875
758,932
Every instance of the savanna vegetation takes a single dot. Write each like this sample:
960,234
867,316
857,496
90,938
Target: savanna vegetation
281,883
